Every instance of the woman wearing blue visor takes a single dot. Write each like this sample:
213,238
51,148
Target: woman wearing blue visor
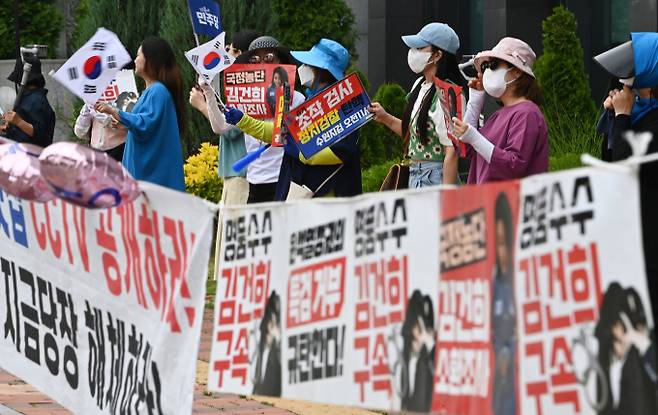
334,171
635,109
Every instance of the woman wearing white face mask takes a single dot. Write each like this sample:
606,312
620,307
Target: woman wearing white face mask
433,158
514,141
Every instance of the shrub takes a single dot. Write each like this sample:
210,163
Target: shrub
378,143
568,106
372,177
564,162
201,173
41,23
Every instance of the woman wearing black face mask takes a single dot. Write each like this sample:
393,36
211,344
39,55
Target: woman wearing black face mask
433,158
33,120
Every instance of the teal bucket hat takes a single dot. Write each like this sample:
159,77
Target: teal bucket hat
326,54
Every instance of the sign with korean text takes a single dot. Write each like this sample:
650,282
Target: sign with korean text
509,298
251,88
330,116
102,309
122,91
451,100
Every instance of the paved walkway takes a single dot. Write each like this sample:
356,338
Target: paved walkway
17,397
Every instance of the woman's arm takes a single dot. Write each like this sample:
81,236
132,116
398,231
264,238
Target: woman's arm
474,107
381,116
213,113
83,122
260,130
450,165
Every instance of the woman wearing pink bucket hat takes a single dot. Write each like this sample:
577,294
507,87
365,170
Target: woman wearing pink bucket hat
513,143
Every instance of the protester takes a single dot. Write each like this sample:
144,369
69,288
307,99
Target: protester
432,52
263,173
334,171
153,150
513,143
241,41
635,65
33,120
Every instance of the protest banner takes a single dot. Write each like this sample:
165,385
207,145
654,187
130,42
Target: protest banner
206,18
509,316
102,309
93,67
122,91
252,88
330,116
210,58
311,300
452,102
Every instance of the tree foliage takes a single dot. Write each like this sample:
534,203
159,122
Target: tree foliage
248,14
302,23
378,143
568,105
40,23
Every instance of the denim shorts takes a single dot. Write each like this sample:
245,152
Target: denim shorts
425,174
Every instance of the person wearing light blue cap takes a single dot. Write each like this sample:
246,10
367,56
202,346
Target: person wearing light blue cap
334,171
432,53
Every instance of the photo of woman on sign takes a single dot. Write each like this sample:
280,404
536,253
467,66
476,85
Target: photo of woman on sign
418,354
279,77
627,355
503,312
268,363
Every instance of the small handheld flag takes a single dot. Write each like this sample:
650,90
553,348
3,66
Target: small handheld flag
210,58
93,67
206,18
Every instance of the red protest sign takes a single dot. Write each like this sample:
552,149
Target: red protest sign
452,105
252,88
329,116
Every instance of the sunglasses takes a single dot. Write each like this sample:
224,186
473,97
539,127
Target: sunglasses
268,58
490,64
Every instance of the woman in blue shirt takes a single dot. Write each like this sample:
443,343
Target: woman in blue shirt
153,150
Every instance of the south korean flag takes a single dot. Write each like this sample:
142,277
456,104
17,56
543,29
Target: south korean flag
210,58
93,67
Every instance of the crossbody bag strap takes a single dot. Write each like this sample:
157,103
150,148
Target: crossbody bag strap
328,178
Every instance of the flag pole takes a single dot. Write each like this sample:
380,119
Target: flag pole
189,12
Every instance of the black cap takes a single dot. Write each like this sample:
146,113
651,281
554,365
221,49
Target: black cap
618,61
267,42
242,39
35,73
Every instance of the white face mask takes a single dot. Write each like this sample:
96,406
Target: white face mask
494,81
418,60
306,75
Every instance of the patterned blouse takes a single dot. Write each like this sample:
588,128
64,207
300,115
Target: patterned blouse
437,132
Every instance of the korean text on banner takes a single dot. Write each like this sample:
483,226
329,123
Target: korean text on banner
102,309
523,309
252,88
206,18
93,67
328,298
330,116
210,58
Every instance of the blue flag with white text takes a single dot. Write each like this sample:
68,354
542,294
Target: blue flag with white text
206,18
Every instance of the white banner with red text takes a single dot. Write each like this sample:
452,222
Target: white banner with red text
521,297
102,309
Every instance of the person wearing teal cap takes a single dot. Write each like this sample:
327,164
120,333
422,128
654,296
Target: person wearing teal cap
635,109
334,171
432,53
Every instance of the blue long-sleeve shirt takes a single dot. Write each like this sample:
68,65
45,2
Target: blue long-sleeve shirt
153,150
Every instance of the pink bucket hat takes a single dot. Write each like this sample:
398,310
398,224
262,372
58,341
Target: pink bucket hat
513,51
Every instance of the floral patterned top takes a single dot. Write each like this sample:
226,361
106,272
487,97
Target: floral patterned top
437,131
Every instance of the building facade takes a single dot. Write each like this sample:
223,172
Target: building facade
481,23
